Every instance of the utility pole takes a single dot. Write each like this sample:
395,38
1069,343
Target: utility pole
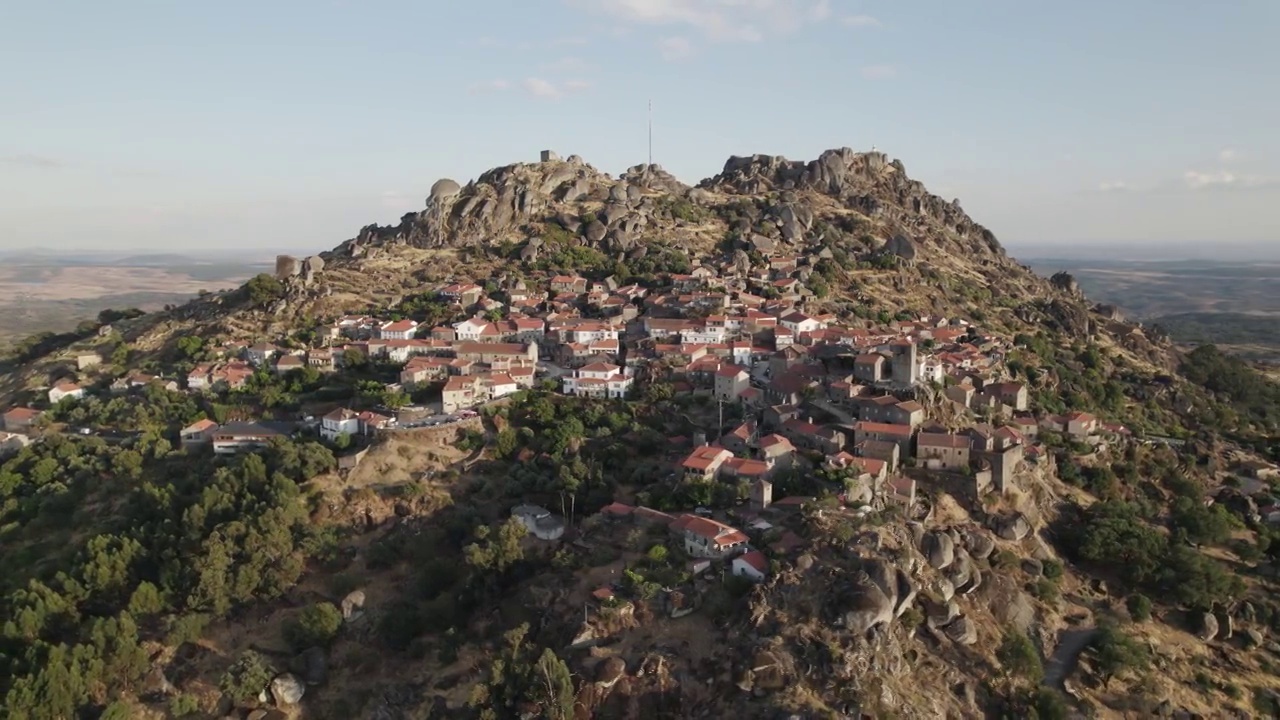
651,131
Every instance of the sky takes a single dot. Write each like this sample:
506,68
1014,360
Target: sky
256,127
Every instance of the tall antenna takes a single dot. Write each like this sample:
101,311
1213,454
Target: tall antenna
650,131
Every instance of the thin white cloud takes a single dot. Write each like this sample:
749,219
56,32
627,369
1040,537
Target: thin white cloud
860,21
488,86
879,72
1224,180
675,48
397,200
31,160
549,90
719,20
1227,155
1112,186
565,65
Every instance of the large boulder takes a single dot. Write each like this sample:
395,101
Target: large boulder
871,599
902,246
1208,626
962,631
979,544
287,689
312,665
940,614
1015,527
938,549
287,266
443,189
353,606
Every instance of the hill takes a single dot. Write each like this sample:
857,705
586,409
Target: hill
461,469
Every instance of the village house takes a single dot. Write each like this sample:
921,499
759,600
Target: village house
460,391
465,294
704,463
706,538
751,565
1012,394
64,389
12,442
260,353
887,452
568,284
497,355
286,363
730,382
600,380
898,434
422,370
197,434
341,421
777,451
20,419
234,438
321,359
398,330
943,451
869,367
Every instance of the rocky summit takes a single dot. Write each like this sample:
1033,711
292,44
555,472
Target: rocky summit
800,440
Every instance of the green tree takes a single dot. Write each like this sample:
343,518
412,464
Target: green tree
263,288
498,551
1117,653
553,687
146,600
316,625
1139,606
248,675
1018,656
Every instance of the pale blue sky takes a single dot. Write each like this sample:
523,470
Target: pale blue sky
284,124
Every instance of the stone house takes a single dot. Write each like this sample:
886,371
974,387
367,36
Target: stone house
706,538
943,450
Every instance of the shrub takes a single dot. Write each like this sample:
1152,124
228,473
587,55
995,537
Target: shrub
247,676
315,625
1139,606
184,705
1018,656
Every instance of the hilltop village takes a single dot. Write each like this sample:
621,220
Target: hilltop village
791,388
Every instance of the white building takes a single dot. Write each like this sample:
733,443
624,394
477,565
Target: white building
339,422
65,389
702,335
398,330
797,322
470,329
752,565
599,380
592,332
931,370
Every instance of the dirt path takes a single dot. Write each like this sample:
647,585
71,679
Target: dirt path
1066,655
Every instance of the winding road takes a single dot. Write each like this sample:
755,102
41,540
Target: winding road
1065,657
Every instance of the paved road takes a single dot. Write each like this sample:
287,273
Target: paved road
1071,643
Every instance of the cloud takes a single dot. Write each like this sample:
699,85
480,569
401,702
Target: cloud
718,20
675,48
488,86
31,160
548,90
1227,155
565,65
1112,186
860,21
1224,180
879,72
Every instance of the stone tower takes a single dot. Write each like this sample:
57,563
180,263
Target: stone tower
761,494
905,365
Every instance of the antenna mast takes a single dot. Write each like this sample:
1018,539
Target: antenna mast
650,131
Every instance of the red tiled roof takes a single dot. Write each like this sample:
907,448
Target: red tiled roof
755,559
883,428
